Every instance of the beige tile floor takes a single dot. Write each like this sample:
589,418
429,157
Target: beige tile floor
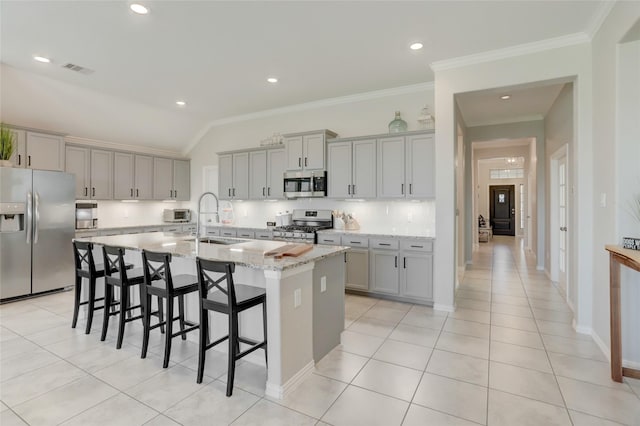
507,356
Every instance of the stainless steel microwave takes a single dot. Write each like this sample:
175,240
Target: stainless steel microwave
305,184
176,215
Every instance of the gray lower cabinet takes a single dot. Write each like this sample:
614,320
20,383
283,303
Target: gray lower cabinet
416,275
228,232
264,235
245,233
384,271
357,269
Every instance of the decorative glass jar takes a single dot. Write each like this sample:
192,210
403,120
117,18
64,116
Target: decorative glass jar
398,124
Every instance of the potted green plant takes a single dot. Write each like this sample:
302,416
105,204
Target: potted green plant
7,145
634,210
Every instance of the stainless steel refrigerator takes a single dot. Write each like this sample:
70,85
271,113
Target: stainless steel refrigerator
37,224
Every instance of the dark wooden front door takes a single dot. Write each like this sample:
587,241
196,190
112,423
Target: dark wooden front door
503,209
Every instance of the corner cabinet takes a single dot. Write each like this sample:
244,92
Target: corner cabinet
406,166
307,151
171,179
352,169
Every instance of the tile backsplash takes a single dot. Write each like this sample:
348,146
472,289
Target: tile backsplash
112,214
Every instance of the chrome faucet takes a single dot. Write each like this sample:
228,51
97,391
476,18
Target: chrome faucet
200,212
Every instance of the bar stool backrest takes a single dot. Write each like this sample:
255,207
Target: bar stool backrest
115,269
224,284
83,256
156,267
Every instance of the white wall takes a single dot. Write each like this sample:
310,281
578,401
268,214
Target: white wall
563,63
615,88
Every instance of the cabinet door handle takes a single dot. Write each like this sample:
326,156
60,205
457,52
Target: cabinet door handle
396,261
29,160
19,159
263,191
349,189
404,261
402,188
353,189
269,191
234,192
136,192
131,193
229,192
384,244
410,188
305,162
299,161
417,246
86,191
345,257
93,191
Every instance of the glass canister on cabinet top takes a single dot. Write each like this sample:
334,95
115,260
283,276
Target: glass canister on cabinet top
398,124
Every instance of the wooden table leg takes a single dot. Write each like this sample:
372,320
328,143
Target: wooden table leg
616,339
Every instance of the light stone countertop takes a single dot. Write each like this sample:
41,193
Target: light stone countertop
248,253
379,234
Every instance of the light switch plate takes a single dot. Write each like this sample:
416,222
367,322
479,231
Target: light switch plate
297,297
323,284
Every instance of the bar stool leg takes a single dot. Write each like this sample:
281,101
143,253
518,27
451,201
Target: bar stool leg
264,328
167,341
160,313
231,368
146,322
124,304
204,341
108,296
181,315
76,301
91,304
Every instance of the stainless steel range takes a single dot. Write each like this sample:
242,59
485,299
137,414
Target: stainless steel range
305,225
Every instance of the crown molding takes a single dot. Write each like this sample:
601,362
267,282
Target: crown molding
520,119
358,97
509,52
599,17
115,146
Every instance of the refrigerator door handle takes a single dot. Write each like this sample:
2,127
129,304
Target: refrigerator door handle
29,217
36,222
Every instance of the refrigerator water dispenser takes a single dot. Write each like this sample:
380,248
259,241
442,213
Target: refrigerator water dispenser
12,217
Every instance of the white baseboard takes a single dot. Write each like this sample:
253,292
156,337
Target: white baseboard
582,329
279,392
445,308
604,348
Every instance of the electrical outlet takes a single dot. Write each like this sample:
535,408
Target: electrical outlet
323,284
297,297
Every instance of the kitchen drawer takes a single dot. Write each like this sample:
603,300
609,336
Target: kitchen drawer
416,245
176,228
354,241
243,233
153,229
264,235
329,239
108,233
228,233
188,228
213,232
383,244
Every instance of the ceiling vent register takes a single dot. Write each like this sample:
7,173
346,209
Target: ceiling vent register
78,68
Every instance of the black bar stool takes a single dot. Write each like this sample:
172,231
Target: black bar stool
158,281
116,275
230,299
85,268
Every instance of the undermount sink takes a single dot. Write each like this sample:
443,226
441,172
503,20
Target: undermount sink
218,240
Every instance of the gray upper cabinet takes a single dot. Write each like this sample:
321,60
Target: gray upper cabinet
276,159
162,178
391,174
133,176
352,169
233,176
171,179
143,177
93,169
258,175
101,174
406,166
420,166
123,176
44,152
18,158
78,162
307,151
181,180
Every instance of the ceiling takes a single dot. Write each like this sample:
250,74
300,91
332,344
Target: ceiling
217,55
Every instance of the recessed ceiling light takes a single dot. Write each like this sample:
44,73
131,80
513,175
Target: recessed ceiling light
181,103
272,80
139,9
505,97
416,46
42,59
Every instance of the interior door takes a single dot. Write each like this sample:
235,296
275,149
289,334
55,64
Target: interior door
503,209
562,221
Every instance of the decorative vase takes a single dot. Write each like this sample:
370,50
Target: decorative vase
398,124
5,163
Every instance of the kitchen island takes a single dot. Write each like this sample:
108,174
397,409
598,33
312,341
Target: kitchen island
305,295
